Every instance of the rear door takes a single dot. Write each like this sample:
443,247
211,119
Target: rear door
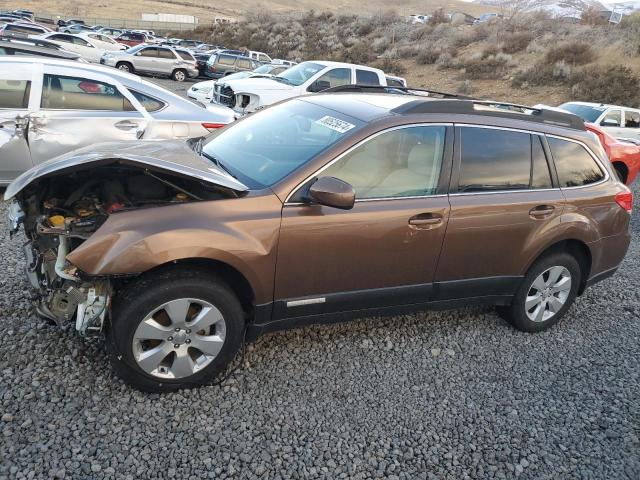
16,87
504,202
77,110
166,61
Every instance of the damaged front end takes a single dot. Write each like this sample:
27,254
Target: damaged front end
63,202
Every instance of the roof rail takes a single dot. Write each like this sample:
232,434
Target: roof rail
38,42
357,88
444,102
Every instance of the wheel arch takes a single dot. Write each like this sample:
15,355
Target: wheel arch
233,277
578,249
622,169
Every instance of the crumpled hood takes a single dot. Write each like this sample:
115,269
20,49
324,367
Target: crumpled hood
255,85
173,156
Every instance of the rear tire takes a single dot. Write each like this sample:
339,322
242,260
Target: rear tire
179,75
546,293
152,341
125,67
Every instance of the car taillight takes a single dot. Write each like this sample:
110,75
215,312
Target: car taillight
625,200
213,126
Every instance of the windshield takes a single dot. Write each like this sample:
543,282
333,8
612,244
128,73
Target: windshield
300,73
263,69
136,48
588,113
268,145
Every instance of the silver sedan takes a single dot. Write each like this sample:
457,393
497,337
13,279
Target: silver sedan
49,107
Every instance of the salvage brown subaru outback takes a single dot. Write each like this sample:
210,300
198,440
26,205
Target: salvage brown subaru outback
317,209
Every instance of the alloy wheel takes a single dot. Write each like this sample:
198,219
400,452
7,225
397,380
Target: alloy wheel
548,294
179,338
179,76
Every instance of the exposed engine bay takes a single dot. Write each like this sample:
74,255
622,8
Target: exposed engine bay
59,212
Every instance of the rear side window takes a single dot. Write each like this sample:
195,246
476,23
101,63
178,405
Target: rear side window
540,176
494,160
575,166
226,60
185,55
75,93
166,53
366,77
244,63
14,93
631,119
150,104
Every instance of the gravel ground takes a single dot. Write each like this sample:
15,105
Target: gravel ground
454,394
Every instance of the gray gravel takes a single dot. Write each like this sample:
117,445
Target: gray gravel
436,395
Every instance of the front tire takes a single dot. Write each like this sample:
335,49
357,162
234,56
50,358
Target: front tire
125,67
179,75
177,329
546,293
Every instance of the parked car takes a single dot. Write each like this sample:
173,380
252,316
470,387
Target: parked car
50,107
70,21
624,156
155,60
132,39
249,94
280,61
83,46
221,64
102,41
111,32
393,81
258,56
203,91
32,46
618,121
316,209
23,29
27,14
75,28
188,43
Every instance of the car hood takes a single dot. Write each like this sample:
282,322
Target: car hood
256,84
173,156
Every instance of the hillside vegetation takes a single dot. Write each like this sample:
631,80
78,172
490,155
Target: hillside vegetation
523,57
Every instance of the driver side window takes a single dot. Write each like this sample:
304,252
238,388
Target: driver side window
333,78
405,162
612,118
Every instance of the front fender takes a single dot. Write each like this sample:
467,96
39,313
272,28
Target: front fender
137,241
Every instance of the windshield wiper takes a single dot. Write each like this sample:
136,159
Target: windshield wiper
217,162
281,80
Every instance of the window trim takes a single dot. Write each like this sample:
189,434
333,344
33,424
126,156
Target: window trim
593,156
295,190
41,108
550,162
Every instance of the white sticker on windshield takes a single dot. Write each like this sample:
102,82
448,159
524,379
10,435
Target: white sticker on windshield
336,124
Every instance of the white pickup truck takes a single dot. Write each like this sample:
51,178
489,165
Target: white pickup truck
246,95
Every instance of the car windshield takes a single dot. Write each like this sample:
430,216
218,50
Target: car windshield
263,69
588,113
299,74
265,147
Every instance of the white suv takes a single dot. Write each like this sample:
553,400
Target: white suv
246,95
620,122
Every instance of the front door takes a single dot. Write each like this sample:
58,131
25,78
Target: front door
385,250
147,59
15,89
503,203
79,111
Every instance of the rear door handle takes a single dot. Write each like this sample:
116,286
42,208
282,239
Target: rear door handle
542,211
425,220
126,125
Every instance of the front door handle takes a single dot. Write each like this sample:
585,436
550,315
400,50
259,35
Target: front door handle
126,125
542,211
425,220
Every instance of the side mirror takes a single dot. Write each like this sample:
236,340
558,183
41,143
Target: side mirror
332,192
319,85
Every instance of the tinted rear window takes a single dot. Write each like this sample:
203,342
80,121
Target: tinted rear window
575,166
365,77
494,160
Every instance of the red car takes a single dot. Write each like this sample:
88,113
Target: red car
624,156
132,39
